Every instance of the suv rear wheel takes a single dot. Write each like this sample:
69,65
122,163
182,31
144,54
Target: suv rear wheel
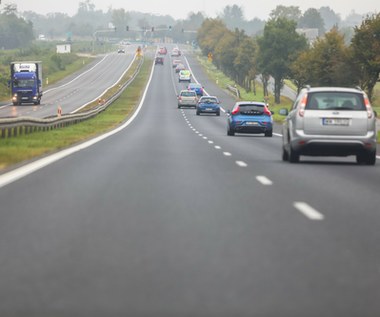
368,158
285,156
294,156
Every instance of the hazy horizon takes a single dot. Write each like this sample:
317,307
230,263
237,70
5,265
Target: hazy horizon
251,9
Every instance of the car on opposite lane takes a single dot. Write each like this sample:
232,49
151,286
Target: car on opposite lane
187,98
250,117
208,104
330,121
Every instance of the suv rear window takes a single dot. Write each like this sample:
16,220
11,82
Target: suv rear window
335,101
188,93
251,110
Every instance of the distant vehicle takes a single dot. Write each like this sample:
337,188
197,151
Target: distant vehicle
176,52
120,51
250,117
180,67
26,82
184,75
198,88
162,51
187,98
159,60
331,121
175,62
208,104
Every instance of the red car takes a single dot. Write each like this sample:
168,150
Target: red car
162,51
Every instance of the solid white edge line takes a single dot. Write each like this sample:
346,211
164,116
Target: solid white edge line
25,170
308,211
264,180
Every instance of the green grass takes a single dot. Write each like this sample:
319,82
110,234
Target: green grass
26,147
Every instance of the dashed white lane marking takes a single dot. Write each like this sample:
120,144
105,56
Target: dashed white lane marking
241,163
211,142
227,153
264,180
217,147
205,138
308,211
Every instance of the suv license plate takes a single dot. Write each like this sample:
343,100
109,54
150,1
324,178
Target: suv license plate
336,121
252,123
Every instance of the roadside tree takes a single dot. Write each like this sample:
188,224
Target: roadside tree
278,48
366,52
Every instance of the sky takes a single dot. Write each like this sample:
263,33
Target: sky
180,9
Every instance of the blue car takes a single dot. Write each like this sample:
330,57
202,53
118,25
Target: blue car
250,117
208,104
198,88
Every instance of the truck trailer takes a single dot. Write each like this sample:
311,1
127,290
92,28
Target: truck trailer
26,82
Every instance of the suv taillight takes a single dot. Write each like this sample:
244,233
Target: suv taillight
301,110
368,107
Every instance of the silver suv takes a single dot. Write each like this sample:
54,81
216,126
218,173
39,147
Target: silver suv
330,121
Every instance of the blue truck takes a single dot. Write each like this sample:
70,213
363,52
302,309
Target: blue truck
26,82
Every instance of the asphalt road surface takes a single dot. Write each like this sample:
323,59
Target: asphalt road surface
171,217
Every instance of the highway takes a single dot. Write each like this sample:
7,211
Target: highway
79,89
169,216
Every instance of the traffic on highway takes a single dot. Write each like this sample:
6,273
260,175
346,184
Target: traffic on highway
192,208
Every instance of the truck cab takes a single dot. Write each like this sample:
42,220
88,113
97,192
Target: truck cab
26,82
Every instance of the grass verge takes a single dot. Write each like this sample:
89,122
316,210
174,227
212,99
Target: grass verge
222,81
26,147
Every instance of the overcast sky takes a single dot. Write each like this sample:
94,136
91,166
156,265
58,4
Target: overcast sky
179,9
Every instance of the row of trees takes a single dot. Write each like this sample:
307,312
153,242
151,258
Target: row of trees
14,31
283,53
88,20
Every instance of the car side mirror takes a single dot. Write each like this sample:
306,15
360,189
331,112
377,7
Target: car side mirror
283,112
229,112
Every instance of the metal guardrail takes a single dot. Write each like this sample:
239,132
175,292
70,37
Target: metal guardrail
234,89
12,127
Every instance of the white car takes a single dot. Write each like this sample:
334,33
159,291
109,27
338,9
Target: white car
184,75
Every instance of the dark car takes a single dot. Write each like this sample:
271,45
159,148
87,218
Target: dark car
121,51
208,104
250,117
159,60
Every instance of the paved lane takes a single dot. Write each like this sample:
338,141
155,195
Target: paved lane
158,221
